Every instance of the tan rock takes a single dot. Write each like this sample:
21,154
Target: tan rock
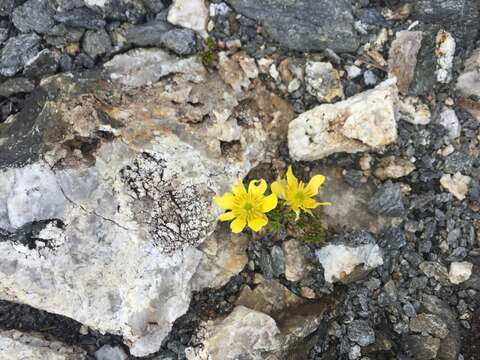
323,81
393,168
296,264
413,110
457,184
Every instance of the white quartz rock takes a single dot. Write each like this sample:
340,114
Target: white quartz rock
340,260
460,272
362,122
191,14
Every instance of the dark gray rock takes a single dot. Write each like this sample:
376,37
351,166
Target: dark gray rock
82,17
387,201
459,17
278,261
133,12
361,332
424,75
44,63
180,41
161,33
15,86
304,25
34,15
3,35
6,7
458,162
61,35
16,52
96,43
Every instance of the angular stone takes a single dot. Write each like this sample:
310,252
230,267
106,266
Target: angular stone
387,201
323,81
244,333
42,64
402,58
81,17
460,272
296,264
429,324
392,167
435,270
445,50
457,184
160,33
6,7
362,122
34,16
96,43
225,255
17,345
190,14
361,332
468,83
15,85
414,111
338,261
449,120
106,352
312,25
16,52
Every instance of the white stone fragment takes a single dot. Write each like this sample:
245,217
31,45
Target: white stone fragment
457,184
362,122
460,272
340,260
106,352
449,120
273,71
353,71
191,14
444,50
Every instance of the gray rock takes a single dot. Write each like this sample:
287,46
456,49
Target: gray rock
42,64
6,7
387,201
154,6
402,58
96,43
34,15
61,35
308,25
456,16
106,352
160,33
435,270
15,85
421,347
16,52
361,332
449,120
3,35
278,261
468,82
82,17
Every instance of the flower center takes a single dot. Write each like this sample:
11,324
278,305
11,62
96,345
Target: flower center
248,206
300,196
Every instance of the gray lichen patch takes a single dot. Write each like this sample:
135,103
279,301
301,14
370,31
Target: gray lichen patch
176,215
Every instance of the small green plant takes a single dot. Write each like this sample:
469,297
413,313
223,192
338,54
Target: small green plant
289,206
208,55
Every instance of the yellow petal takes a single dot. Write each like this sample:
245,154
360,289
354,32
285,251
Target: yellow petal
257,222
269,203
226,216
278,188
257,187
226,201
310,204
238,225
313,185
291,179
239,189
327,203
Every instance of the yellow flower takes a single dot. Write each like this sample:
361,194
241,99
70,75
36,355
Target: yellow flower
247,207
296,194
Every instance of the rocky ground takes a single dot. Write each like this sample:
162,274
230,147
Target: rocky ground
121,119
